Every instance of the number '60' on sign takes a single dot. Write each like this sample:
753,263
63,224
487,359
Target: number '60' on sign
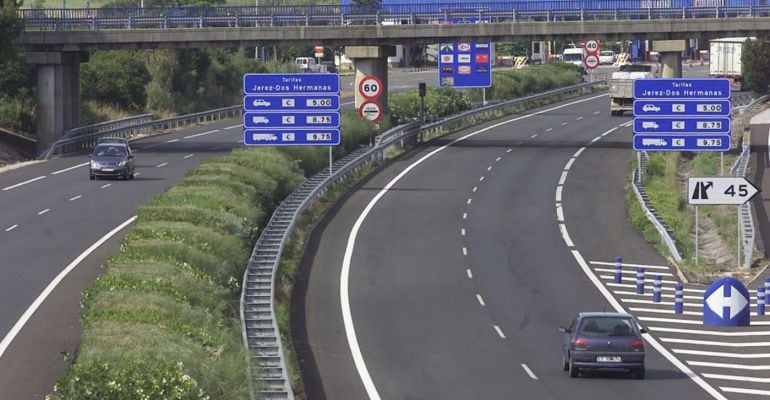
370,87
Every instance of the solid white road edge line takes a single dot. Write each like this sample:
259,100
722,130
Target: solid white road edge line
24,183
55,282
69,169
201,134
565,236
651,340
347,317
529,371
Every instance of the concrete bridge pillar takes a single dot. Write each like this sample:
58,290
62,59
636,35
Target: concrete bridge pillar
58,93
371,60
670,56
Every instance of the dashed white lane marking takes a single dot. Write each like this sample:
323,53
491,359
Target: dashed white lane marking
162,165
137,174
469,201
465,215
17,327
475,188
480,299
201,134
630,265
558,193
579,118
529,371
44,211
240,125
721,354
565,236
609,131
481,179
189,155
24,183
628,271
489,168
578,153
596,139
711,333
498,159
172,141
533,136
105,186
569,164
756,392
509,150
729,366
465,251
715,343
564,123
462,231
347,317
628,123
563,177
559,213
10,228
737,378
76,197
597,112
549,129
469,273
69,169
499,332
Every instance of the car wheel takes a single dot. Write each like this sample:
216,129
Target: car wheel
639,373
131,176
573,370
564,363
92,177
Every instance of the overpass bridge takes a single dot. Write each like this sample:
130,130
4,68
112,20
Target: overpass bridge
57,40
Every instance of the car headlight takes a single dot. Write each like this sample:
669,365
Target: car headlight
94,164
122,163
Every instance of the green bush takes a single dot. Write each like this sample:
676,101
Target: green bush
264,185
118,78
222,221
208,197
129,379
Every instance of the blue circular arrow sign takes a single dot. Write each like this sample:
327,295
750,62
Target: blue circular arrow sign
726,303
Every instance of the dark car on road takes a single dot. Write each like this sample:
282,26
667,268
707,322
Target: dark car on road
111,160
601,340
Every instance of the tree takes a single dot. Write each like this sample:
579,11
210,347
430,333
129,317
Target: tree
13,70
755,60
117,78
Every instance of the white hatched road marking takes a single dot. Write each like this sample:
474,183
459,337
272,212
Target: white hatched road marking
661,311
715,343
737,378
69,169
626,285
664,303
711,333
499,332
672,320
633,279
730,366
756,392
721,354
529,371
649,293
24,183
630,265
628,271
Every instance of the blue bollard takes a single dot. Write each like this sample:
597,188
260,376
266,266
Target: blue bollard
618,269
640,281
657,286
761,300
767,284
679,299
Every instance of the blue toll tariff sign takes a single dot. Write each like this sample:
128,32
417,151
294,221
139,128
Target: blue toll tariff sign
290,120
291,103
682,108
648,142
465,65
291,83
297,137
684,125
684,89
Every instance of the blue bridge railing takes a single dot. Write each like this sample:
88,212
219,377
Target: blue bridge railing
311,15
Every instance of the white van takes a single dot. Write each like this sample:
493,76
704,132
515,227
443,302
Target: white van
574,56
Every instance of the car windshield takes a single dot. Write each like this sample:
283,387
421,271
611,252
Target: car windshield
116,151
606,327
573,57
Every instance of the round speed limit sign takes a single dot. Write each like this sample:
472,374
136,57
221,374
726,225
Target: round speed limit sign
371,111
592,46
370,87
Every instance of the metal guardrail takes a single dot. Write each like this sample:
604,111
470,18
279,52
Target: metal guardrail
90,135
407,14
745,218
260,328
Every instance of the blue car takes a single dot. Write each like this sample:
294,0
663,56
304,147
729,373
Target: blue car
601,340
111,160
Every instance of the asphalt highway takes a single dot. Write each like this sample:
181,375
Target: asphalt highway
447,273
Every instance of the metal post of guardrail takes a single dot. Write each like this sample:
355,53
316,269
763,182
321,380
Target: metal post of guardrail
717,10
513,14
581,14
678,298
640,281
684,13
761,301
616,14
657,286
618,270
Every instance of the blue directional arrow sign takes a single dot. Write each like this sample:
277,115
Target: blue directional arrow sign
291,83
291,120
726,303
684,125
649,142
683,89
291,103
298,137
680,108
